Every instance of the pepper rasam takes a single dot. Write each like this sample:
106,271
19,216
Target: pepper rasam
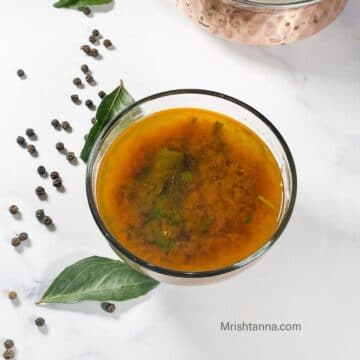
190,190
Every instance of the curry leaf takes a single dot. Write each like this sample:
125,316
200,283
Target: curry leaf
79,3
100,279
111,106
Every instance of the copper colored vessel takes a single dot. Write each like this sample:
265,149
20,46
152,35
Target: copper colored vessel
262,22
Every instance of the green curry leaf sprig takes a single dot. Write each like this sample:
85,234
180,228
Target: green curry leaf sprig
100,279
110,106
80,3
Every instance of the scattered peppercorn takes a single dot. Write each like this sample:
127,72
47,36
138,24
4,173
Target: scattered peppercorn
70,156
30,132
86,10
89,79
31,149
47,220
9,344
23,236
41,170
93,39
9,354
21,140
84,68
57,182
55,123
60,146
107,43
93,120
20,73
15,241
40,214
54,175
102,94
12,295
94,53
86,49
108,307
96,32
75,99
66,125
40,191
77,82
13,209
89,104
39,322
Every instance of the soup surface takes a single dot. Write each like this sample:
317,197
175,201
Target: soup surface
189,189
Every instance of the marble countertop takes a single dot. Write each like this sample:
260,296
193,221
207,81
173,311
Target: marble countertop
309,90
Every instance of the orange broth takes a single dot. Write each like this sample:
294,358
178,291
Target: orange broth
189,189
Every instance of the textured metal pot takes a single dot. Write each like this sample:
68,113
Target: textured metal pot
253,23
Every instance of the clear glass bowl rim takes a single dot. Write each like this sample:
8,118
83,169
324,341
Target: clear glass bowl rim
175,273
287,5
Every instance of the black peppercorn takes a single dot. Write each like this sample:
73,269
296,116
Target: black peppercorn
89,104
107,43
84,68
9,344
41,170
75,99
54,175
55,123
40,214
77,82
9,354
57,182
47,220
70,156
93,39
94,53
60,146
39,322
12,295
13,209
40,191
108,307
65,125
23,236
96,32
93,120
30,132
20,73
89,79
15,241
86,49
21,140
86,10
31,149
102,94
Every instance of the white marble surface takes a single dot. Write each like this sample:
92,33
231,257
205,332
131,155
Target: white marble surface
311,92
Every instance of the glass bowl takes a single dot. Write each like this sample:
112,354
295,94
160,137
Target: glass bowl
209,100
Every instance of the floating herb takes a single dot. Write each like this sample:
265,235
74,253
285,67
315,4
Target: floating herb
266,202
247,219
99,279
186,176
